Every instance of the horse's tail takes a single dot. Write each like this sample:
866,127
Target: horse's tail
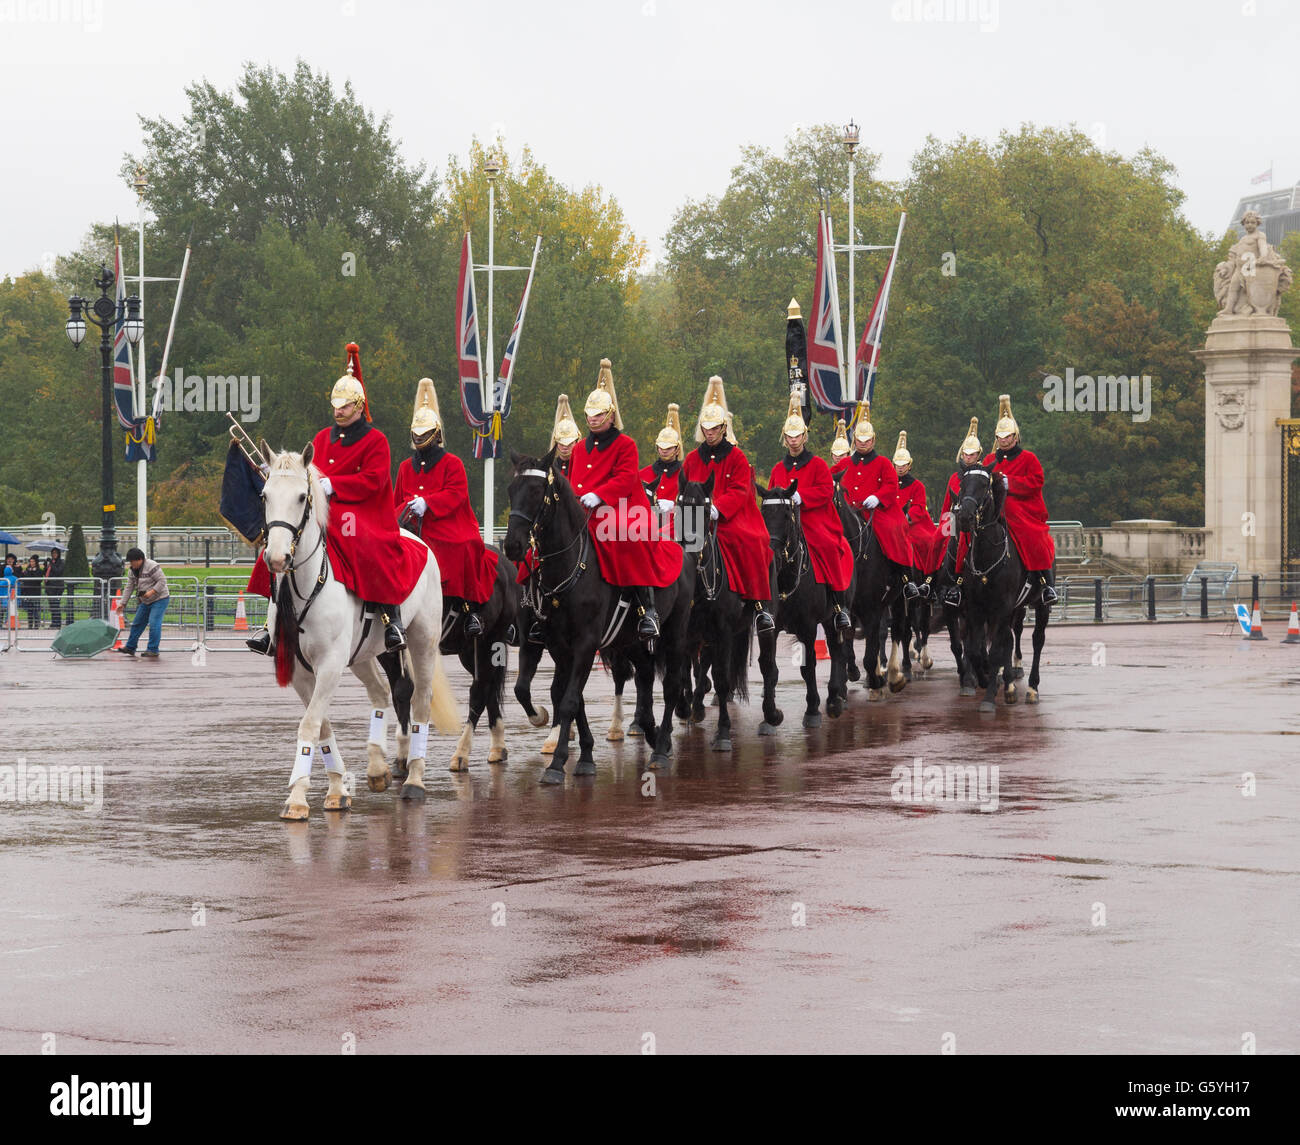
739,667
442,711
286,634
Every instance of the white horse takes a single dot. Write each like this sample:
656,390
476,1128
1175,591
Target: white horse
316,617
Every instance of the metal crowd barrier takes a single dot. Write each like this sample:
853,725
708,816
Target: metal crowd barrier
1171,596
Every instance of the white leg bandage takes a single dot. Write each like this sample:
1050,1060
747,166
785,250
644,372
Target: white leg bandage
419,741
330,754
302,762
377,734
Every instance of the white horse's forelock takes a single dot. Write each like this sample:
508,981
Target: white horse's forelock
291,465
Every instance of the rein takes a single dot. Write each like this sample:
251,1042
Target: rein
291,567
799,558
980,526
535,592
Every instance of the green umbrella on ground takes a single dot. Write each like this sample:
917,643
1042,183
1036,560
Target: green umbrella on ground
84,639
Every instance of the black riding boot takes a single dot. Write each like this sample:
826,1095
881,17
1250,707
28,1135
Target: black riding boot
952,594
394,633
843,620
1047,579
910,589
473,622
763,621
260,642
648,628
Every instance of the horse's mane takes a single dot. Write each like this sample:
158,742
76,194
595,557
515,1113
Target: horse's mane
291,464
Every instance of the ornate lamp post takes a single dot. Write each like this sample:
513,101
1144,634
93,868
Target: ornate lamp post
105,312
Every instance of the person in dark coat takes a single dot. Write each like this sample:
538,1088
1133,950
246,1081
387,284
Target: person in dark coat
54,587
29,588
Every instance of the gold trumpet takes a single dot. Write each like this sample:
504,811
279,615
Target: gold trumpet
248,446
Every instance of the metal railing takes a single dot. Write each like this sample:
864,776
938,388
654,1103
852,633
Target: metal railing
1171,596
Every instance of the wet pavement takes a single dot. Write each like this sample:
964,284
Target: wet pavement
1124,895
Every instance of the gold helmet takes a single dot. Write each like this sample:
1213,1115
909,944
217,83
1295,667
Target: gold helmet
603,399
794,422
565,431
1006,423
670,437
840,446
714,411
426,424
863,430
901,456
972,442
350,389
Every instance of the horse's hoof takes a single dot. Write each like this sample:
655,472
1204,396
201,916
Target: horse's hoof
1031,697
907,675
548,748
855,673
720,744
635,732
897,686
834,709
400,770
551,776
1009,696
987,706
295,812
540,719
812,719
966,691
505,755
458,763
1017,673
875,695
697,714
766,729
380,782
338,803
926,662
413,794
615,735
660,759
585,767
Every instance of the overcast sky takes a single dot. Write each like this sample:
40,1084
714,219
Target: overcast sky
653,99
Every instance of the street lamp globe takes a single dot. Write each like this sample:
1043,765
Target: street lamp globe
76,324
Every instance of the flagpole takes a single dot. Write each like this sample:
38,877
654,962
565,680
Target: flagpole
850,141
171,328
487,369
141,466
835,288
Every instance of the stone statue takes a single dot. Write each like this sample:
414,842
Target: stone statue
1253,278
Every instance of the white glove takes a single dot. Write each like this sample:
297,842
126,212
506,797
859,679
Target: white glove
713,512
326,487
1006,482
665,506
590,500
797,498
419,506
872,501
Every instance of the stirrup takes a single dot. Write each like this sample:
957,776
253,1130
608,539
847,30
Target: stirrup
394,634
952,596
473,625
648,628
536,634
910,591
260,643
842,619
763,621
1049,596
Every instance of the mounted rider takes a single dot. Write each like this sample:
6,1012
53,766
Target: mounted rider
870,486
1025,511
969,453
661,477
632,549
433,486
832,558
840,449
363,540
742,533
927,540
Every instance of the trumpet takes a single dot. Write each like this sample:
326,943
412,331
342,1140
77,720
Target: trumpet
248,447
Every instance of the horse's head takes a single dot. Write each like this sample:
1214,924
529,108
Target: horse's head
694,499
531,490
979,499
292,500
781,515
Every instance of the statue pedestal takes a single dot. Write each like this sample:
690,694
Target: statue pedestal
1247,388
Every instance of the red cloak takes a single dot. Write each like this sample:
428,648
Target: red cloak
633,551
662,480
449,526
869,474
742,532
925,535
1025,510
832,559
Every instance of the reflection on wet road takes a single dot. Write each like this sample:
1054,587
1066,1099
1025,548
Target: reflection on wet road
1124,896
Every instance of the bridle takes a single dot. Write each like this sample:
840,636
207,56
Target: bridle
785,558
707,557
535,593
981,524
296,532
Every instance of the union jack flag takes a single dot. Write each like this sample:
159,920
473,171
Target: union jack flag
824,359
123,374
467,350
868,357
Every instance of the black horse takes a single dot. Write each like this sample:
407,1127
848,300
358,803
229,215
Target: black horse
720,628
583,613
997,588
800,603
876,586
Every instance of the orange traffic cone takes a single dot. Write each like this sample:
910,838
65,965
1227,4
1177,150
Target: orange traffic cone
241,617
1292,627
117,618
1256,627
820,650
